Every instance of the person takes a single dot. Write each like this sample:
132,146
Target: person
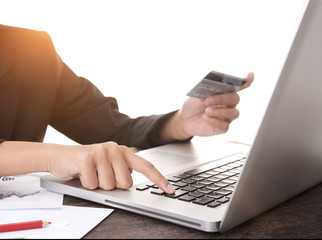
38,89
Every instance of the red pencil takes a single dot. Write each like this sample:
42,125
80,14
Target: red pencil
23,225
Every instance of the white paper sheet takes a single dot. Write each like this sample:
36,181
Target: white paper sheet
22,199
68,222
82,220
24,192
14,216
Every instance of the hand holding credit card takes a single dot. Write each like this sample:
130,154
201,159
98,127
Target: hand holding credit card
215,83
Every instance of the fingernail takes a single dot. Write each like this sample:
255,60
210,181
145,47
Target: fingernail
170,188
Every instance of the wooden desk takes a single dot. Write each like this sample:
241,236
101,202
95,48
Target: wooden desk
299,217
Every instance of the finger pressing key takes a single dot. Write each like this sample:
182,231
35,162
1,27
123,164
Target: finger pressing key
143,166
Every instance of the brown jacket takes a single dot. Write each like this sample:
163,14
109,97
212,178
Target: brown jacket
37,89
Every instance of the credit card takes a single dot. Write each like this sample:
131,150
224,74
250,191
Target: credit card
215,83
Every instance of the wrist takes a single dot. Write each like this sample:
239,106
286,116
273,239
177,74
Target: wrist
173,129
23,157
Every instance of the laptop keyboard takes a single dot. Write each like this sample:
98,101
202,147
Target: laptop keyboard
207,186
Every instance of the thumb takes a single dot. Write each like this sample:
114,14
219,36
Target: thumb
250,79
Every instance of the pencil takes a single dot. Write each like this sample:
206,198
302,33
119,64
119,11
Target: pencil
23,225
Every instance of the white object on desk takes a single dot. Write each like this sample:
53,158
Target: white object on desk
82,219
14,216
24,192
66,223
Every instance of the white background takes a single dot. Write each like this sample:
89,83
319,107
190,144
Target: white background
149,54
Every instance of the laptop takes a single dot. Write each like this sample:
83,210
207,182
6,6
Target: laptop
223,184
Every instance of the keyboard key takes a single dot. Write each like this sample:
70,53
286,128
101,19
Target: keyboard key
204,175
220,184
196,194
180,184
239,169
236,171
213,188
152,185
203,200
197,178
213,179
187,198
205,190
177,194
189,189
197,185
173,179
157,192
229,173
215,195
205,182
189,180
142,187
226,167
212,172
230,188
223,200
228,181
220,170
223,192
214,204
222,176
234,178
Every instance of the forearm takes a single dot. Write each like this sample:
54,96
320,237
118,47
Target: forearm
24,157
173,129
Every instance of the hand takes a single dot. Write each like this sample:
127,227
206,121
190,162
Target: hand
212,115
105,165
203,117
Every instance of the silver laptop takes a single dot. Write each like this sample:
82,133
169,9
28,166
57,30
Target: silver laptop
220,184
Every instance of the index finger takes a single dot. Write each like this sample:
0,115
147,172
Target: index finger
145,167
250,79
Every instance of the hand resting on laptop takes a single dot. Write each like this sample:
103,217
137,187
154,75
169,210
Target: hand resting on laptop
106,165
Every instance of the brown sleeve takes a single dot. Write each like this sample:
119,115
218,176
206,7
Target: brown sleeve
52,94
85,115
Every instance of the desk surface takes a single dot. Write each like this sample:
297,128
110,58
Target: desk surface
299,217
